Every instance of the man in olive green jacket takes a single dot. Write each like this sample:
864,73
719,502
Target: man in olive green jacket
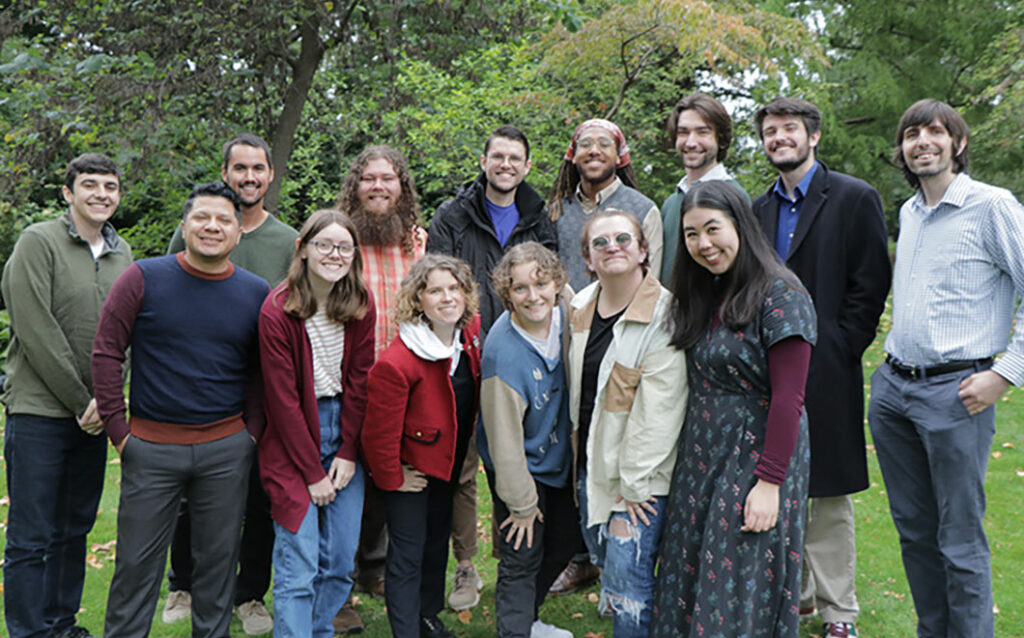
54,286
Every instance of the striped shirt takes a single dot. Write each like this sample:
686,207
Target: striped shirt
383,270
327,340
959,269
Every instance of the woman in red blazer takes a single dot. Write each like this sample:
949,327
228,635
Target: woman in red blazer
316,347
419,418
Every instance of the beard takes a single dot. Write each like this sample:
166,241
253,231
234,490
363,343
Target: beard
785,166
389,228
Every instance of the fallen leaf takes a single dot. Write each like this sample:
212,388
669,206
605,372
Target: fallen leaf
577,614
593,634
996,455
1020,473
593,597
465,616
5,500
94,561
114,461
1007,444
104,547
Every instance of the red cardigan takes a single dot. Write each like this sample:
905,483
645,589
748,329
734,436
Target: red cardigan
410,416
289,452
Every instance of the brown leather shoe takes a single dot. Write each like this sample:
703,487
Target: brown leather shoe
348,621
574,577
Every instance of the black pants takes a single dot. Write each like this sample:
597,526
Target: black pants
373,536
526,574
255,555
419,524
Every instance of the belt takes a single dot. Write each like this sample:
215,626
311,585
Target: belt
923,372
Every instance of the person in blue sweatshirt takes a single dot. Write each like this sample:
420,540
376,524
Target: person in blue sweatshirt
524,436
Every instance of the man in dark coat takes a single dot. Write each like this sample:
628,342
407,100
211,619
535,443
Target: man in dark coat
492,213
488,215
830,230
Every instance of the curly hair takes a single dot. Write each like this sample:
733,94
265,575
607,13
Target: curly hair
548,266
408,308
408,206
349,298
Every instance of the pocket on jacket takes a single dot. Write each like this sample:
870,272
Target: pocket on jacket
621,390
423,435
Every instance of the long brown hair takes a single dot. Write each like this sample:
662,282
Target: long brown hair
349,298
408,206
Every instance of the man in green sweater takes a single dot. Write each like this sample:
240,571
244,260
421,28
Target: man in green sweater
265,250
54,286
700,130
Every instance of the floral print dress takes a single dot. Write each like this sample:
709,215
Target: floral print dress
715,580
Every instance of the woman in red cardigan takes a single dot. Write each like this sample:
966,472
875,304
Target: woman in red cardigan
316,347
418,422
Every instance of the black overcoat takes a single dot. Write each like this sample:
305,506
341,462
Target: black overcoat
840,252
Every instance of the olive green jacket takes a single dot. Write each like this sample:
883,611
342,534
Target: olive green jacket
54,290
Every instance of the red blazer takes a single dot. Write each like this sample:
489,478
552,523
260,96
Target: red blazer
410,416
289,452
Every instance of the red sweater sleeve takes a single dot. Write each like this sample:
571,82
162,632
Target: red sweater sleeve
281,391
113,335
787,370
359,355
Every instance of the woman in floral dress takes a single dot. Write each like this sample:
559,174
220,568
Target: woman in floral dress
731,546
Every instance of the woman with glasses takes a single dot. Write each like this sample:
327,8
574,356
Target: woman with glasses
316,348
730,556
627,393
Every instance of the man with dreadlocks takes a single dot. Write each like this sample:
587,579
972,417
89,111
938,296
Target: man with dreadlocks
596,174
379,195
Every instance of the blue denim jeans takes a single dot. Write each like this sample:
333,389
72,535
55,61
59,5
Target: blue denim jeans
627,564
54,479
313,567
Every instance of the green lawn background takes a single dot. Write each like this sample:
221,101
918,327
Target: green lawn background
886,607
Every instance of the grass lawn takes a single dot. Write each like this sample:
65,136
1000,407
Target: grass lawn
886,607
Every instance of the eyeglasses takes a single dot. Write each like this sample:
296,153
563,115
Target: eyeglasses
604,143
604,243
325,248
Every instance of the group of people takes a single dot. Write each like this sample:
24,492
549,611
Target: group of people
671,398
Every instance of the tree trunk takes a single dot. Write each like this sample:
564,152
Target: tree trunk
283,134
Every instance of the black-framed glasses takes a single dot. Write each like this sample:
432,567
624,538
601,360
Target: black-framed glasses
325,248
603,243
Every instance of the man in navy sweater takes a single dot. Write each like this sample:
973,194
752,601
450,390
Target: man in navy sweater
191,322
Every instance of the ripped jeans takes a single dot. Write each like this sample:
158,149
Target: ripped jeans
627,564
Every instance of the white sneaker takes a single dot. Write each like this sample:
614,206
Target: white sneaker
255,618
543,630
178,607
466,588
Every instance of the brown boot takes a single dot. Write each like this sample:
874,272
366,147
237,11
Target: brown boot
574,577
348,621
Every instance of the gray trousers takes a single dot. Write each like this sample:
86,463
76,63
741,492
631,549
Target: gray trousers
933,456
154,477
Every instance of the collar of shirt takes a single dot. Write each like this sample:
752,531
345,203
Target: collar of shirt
602,194
801,188
955,195
718,172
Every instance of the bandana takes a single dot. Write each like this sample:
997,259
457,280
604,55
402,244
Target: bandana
616,132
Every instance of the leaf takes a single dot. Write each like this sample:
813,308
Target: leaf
465,616
593,597
94,561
